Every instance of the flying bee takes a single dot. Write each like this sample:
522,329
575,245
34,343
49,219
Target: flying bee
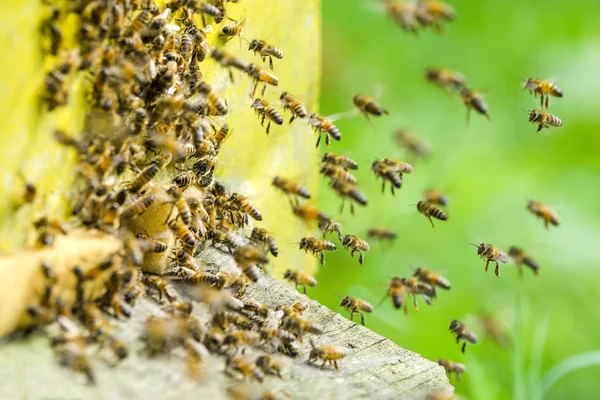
316,247
226,60
520,257
264,109
269,365
324,125
230,30
213,99
162,287
47,231
544,212
382,234
290,102
432,278
335,173
431,12
260,75
184,234
181,204
309,213
329,354
143,178
415,287
543,119
473,99
339,160
265,50
388,173
462,333
368,107
445,78
397,291
429,211
300,279
403,13
245,368
543,88
356,305
356,244
30,190
290,187
138,207
331,226
491,253
436,198
261,236
347,190
411,143
453,367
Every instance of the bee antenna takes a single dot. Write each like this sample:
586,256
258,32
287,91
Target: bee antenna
473,245
312,344
527,111
339,295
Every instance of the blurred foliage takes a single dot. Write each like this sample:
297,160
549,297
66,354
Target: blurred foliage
489,170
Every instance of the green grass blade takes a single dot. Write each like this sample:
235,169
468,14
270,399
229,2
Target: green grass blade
579,361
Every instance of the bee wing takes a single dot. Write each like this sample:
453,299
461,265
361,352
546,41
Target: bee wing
378,91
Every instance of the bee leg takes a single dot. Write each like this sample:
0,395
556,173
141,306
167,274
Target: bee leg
351,315
319,139
383,186
323,365
352,208
335,364
464,346
327,140
468,115
430,220
487,264
352,253
415,303
393,190
322,258
458,339
304,289
254,90
497,269
262,121
362,319
268,127
540,126
230,75
457,377
273,69
361,257
293,117
546,223
264,90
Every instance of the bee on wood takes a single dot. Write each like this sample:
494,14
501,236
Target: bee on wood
356,305
329,354
269,365
290,102
356,244
261,236
264,109
162,287
245,368
184,234
300,279
143,178
265,50
462,333
491,253
316,247
430,211
236,339
542,88
181,204
247,257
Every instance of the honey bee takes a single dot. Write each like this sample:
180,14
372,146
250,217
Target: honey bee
143,178
339,160
265,50
219,104
269,365
181,204
356,244
397,291
491,253
220,136
494,329
520,257
185,180
453,367
331,226
290,187
232,29
546,213
473,99
388,173
368,107
184,234
431,12
415,287
299,326
236,338
260,75
411,143
356,305
74,358
403,13
138,207
348,190
239,202
543,88
300,279
436,198
47,231
316,247
429,211
382,234
309,213
432,278
462,333
264,109
290,102
228,61
445,78
153,246
329,354
543,119
247,257
245,368
163,288
335,172
324,125
261,236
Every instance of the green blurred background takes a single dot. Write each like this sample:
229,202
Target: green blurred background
489,171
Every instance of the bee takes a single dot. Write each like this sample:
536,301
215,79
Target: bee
445,78
356,305
245,368
185,180
247,257
491,253
30,190
163,288
388,173
452,366
239,202
430,12
521,258
323,125
138,207
74,358
403,13
543,119
153,246
397,291
232,29
219,104
228,61
47,230
436,198
300,279
348,190
432,278
181,204
543,88
331,226
415,287
264,109
356,244
269,365
411,143
236,338
290,187
143,178
462,333
329,354
546,213
382,234
429,211
339,160
265,50
309,213
494,329
220,136
290,102
316,247
368,107
261,236
184,234
335,172
473,100
260,75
